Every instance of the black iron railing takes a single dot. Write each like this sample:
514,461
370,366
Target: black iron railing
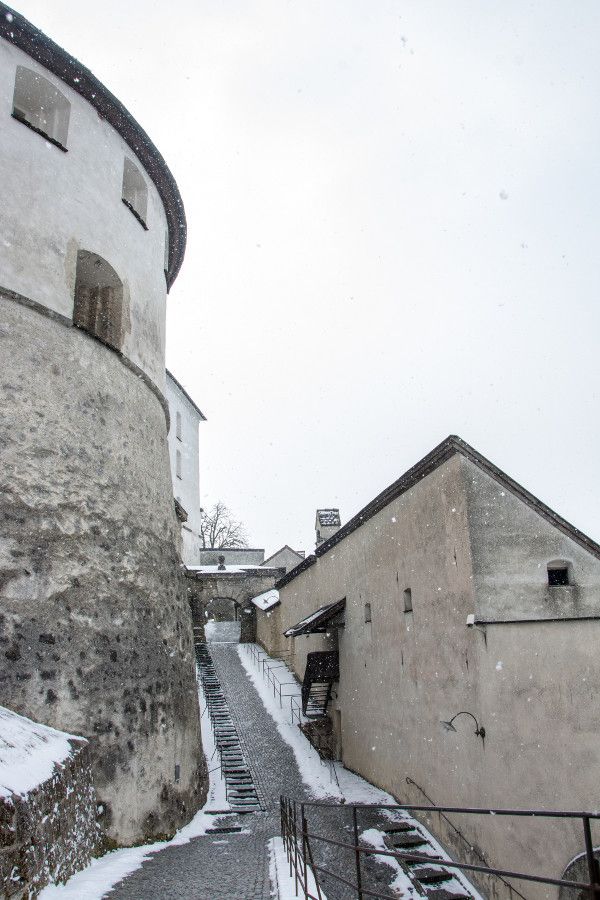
271,670
297,840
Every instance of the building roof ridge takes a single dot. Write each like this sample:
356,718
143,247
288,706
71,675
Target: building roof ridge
441,453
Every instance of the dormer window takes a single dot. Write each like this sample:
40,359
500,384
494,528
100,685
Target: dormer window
558,574
38,104
135,192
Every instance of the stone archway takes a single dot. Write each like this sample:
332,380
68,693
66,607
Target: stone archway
222,609
212,590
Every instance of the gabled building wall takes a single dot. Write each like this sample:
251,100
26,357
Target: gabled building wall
532,685
511,546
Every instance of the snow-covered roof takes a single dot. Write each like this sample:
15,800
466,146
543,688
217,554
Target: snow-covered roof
29,752
328,517
318,621
267,600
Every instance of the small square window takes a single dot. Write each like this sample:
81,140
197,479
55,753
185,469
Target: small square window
407,600
367,612
558,577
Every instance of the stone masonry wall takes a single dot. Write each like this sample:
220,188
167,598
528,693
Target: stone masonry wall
95,630
51,832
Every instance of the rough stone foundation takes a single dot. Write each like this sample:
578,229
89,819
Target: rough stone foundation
51,832
95,630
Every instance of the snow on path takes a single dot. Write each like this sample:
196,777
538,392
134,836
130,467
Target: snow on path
222,632
315,774
353,788
282,885
102,874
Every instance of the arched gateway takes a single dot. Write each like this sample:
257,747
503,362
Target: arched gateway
226,595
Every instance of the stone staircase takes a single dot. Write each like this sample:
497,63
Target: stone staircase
431,879
240,789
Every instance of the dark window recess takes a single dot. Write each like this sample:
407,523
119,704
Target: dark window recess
98,307
177,772
367,612
38,104
135,192
407,600
558,577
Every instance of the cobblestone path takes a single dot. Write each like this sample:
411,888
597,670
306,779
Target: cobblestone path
235,866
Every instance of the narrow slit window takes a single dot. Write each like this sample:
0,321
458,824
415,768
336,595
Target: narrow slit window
367,612
98,302
178,464
38,104
135,191
408,600
166,260
178,425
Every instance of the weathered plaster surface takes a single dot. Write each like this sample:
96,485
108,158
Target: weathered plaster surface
205,588
186,488
532,685
56,203
511,546
95,631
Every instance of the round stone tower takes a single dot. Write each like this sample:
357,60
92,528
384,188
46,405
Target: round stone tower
95,629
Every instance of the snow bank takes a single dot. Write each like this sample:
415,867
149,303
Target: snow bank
30,753
282,886
323,780
93,882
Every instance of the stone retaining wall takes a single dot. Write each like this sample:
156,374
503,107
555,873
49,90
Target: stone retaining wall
50,832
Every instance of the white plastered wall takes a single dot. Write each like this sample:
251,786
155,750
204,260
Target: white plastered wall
55,203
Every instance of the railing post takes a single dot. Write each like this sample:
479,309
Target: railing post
592,862
304,851
295,850
290,848
359,893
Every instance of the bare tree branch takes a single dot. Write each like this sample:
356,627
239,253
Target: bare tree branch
219,529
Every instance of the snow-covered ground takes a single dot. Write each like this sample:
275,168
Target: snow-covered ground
324,780
30,753
324,784
222,632
93,882
282,885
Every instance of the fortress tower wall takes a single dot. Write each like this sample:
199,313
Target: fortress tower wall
95,629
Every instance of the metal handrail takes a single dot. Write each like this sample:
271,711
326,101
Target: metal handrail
288,808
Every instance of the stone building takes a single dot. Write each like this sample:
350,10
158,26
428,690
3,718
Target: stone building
95,630
285,557
455,591
185,418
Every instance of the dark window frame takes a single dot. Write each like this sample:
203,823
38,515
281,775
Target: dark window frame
20,118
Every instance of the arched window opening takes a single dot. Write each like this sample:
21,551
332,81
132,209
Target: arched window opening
559,573
38,104
98,306
135,191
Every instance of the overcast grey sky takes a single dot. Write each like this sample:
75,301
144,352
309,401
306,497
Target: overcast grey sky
393,236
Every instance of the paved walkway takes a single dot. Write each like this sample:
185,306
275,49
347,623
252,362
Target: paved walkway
233,866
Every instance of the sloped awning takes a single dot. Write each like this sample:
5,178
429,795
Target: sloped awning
318,621
267,600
